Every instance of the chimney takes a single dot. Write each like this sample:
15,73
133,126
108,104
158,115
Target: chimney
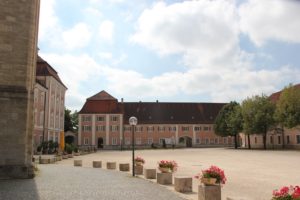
122,100
156,101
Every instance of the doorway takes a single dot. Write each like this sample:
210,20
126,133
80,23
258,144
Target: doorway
100,143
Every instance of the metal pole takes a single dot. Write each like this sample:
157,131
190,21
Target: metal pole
133,170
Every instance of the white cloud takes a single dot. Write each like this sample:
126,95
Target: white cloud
74,71
48,22
271,20
106,30
203,31
77,37
105,55
93,11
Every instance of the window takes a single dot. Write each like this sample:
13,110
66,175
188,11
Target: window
197,128
212,141
86,141
206,141
185,128
100,118
150,141
138,128
42,118
288,139
161,140
271,139
86,118
225,140
127,128
56,138
114,118
86,128
150,128
216,140
198,140
138,141
41,139
114,141
114,128
298,139
255,140
205,128
127,141
172,128
161,128
100,128
279,139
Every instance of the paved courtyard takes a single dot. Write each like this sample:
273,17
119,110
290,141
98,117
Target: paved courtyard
250,174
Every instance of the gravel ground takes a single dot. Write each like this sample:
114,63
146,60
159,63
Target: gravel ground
67,182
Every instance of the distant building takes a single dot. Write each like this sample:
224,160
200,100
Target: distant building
275,138
49,104
103,123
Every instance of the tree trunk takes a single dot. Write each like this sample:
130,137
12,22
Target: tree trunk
235,141
249,143
265,140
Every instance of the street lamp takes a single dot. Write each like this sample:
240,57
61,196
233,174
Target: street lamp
133,122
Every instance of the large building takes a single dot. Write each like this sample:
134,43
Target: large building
103,123
49,104
275,138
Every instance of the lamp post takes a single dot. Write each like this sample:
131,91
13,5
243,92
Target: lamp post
133,122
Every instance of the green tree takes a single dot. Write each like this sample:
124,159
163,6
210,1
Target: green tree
71,120
229,122
258,115
287,112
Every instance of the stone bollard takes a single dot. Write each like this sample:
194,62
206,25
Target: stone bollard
65,156
124,167
183,184
164,178
77,163
58,158
52,160
150,173
70,155
44,161
111,165
138,169
97,164
209,192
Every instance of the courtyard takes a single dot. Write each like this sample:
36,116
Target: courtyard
251,174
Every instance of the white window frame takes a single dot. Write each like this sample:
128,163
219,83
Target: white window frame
86,141
150,141
114,141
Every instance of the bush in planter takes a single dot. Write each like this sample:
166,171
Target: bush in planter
44,147
76,150
50,147
68,148
55,145
39,148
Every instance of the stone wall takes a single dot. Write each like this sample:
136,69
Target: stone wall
18,44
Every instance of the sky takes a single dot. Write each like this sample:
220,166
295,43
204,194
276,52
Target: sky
171,50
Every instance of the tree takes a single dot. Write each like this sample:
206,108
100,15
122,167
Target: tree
258,115
71,120
287,112
229,122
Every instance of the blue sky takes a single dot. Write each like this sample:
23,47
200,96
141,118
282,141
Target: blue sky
191,51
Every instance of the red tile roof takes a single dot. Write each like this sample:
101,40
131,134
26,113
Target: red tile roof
153,112
103,95
44,69
275,96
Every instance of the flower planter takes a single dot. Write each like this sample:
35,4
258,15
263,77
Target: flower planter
208,181
138,169
164,178
206,192
77,154
138,163
164,170
65,156
97,164
70,155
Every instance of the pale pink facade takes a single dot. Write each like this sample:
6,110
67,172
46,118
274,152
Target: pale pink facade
49,104
109,128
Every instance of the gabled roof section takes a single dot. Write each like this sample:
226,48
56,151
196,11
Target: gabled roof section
103,95
44,69
275,96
